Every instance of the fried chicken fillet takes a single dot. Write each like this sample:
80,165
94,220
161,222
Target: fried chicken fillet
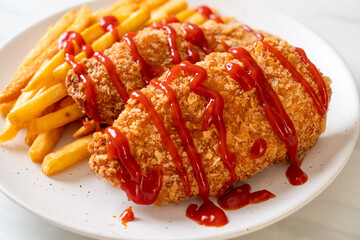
244,118
153,46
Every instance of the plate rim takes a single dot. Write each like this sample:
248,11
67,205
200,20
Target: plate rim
230,234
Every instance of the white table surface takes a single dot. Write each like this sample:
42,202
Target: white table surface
334,214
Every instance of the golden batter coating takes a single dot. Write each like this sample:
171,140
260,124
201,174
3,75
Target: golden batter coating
244,118
153,47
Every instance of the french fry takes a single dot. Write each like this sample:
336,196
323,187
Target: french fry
196,18
35,58
9,131
55,119
122,6
152,4
185,14
65,102
33,107
85,130
66,156
134,22
81,21
168,9
6,107
44,144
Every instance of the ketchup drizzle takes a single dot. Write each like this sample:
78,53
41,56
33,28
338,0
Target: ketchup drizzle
148,72
269,100
140,188
186,138
240,197
208,13
221,42
321,105
65,42
213,113
110,67
172,41
110,24
318,78
172,19
193,55
168,142
258,149
195,35
127,216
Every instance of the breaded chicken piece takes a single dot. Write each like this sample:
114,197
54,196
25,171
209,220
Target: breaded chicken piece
153,46
244,118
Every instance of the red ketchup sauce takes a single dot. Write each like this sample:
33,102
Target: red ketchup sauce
195,35
168,142
127,216
166,21
295,175
65,42
208,13
140,188
109,24
240,197
110,67
148,71
207,214
221,42
193,55
258,149
185,136
269,100
172,41
213,113
321,105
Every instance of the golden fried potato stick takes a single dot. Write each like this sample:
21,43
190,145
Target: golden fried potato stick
66,156
9,131
45,142
80,23
5,108
170,8
55,119
30,134
121,6
185,14
133,23
35,58
196,18
152,4
85,130
33,107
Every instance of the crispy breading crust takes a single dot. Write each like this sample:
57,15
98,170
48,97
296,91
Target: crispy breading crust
153,47
244,118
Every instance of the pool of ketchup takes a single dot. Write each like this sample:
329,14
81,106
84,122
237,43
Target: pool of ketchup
208,214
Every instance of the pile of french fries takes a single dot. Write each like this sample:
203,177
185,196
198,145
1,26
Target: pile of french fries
36,99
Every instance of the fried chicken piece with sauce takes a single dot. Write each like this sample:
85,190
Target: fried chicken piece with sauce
152,45
244,118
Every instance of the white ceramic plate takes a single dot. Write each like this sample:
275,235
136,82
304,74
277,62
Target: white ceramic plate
79,201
